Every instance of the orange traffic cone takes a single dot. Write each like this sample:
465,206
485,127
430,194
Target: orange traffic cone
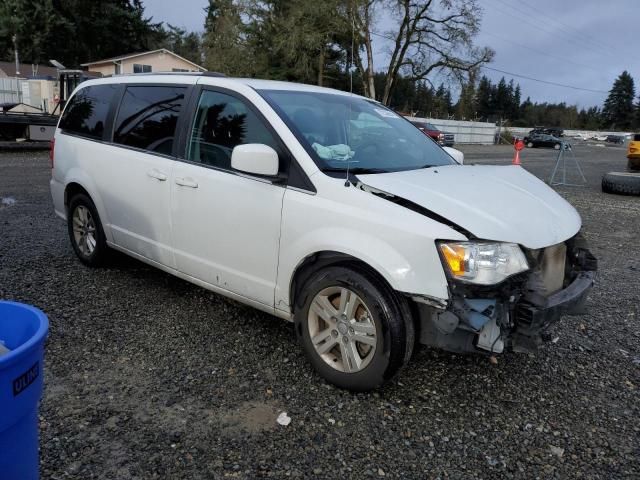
516,158
517,146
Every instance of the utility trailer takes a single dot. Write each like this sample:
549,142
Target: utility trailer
37,125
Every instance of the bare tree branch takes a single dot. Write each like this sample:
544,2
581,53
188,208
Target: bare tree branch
430,35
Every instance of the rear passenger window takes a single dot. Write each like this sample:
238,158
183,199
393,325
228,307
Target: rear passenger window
87,110
222,122
148,116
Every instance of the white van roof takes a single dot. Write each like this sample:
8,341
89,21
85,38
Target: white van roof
217,79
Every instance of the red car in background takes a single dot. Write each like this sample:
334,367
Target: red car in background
443,138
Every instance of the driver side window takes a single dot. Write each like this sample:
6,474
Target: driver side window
222,122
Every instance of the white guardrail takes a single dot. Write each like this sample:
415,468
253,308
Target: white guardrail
484,133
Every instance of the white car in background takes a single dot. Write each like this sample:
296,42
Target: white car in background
322,208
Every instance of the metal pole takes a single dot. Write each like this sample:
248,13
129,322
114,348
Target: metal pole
15,49
553,175
578,166
564,165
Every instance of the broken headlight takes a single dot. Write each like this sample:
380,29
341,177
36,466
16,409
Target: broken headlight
482,263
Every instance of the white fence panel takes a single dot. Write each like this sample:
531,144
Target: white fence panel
482,133
36,93
10,90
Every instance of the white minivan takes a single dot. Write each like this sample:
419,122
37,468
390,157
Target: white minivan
320,207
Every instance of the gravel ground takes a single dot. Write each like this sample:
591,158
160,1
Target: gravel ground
149,377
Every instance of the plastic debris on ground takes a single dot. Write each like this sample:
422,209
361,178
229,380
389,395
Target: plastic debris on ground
284,419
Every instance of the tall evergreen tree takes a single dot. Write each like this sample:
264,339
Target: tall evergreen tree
442,102
186,44
75,31
223,40
502,99
618,107
465,109
484,100
515,109
424,99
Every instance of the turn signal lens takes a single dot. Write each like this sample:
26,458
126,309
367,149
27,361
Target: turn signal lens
454,256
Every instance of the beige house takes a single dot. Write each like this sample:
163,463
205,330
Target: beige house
161,60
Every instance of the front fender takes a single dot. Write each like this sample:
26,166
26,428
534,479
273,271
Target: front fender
397,243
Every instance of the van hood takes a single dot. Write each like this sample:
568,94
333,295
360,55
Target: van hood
500,203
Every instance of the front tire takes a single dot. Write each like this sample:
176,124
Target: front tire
530,145
85,231
356,332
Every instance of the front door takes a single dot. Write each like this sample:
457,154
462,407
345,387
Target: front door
226,225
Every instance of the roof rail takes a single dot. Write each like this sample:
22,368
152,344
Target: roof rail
213,74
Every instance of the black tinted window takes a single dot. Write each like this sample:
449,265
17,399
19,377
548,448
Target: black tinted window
636,137
87,110
148,116
223,122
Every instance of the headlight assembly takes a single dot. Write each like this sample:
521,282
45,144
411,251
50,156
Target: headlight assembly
482,263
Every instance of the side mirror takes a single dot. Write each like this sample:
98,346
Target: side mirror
457,155
255,158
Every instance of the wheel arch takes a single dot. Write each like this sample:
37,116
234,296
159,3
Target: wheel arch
323,259
77,182
71,190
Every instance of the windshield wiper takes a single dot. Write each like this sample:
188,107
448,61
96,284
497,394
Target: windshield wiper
355,170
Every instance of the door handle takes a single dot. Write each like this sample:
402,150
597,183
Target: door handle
158,175
186,182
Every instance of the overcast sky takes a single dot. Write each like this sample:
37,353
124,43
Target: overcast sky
580,43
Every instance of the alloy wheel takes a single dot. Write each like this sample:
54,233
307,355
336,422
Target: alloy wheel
84,230
342,329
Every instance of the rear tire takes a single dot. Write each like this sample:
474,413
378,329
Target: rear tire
357,333
85,231
556,146
621,183
530,145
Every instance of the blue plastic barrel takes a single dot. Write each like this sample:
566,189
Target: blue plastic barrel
23,330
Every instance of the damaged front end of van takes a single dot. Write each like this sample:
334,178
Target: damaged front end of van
523,263
514,314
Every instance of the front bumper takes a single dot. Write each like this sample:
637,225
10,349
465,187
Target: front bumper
515,315
532,321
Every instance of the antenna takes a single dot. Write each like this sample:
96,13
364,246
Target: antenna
353,34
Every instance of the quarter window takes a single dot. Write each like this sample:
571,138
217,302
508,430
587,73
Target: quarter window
148,116
86,112
222,122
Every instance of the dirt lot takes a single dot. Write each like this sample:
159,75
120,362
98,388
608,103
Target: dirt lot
150,377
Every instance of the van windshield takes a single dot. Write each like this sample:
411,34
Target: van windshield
337,130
